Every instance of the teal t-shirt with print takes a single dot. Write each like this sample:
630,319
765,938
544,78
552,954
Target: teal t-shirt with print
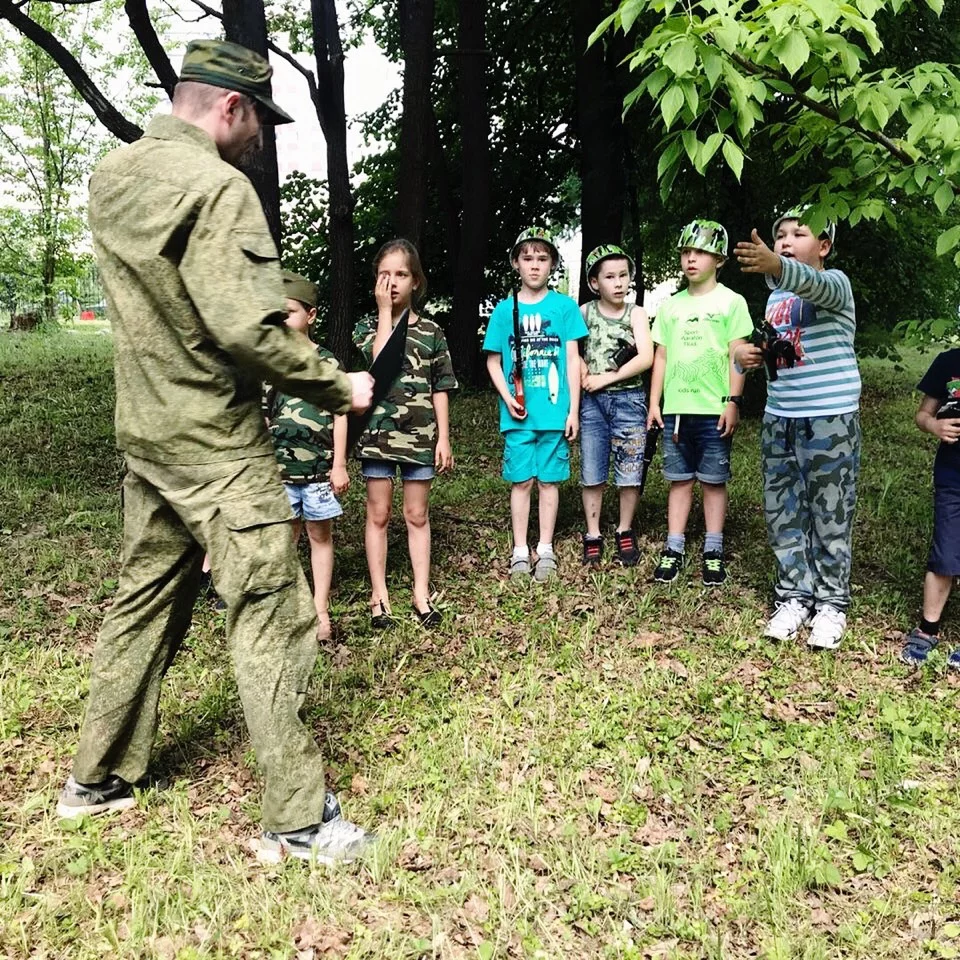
545,329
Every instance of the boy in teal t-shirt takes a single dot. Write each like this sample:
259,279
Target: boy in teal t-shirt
695,394
536,432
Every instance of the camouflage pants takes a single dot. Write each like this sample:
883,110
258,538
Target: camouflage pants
238,513
810,468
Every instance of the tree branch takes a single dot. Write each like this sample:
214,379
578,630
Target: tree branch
146,35
106,112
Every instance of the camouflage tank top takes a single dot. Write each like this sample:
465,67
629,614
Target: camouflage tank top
605,336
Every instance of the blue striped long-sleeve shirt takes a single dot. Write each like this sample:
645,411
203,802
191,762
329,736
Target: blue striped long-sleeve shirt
814,310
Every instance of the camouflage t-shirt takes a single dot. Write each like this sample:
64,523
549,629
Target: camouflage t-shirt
605,336
302,434
403,428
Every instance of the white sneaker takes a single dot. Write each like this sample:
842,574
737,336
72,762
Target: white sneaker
827,628
787,620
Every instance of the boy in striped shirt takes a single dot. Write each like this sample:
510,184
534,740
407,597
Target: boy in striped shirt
811,429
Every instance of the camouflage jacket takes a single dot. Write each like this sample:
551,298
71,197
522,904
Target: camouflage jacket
605,336
195,300
302,434
403,428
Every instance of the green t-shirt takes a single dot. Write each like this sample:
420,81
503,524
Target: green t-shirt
403,428
605,336
697,332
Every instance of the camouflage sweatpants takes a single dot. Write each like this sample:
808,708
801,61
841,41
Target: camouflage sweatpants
810,468
238,513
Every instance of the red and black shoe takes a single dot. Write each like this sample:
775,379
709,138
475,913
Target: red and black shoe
592,551
627,552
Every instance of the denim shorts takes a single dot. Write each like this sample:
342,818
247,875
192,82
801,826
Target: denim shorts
387,470
540,454
700,451
944,559
313,501
612,422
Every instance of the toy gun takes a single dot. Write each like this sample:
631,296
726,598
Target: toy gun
950,410
625,352
776,351
649,451
517,375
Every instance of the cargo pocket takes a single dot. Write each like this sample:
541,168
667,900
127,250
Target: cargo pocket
259,247
258,556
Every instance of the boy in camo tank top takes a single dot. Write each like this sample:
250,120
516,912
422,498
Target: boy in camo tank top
311,449
613,409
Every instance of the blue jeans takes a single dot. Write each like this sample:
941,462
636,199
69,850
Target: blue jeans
612,422
699,452
387,470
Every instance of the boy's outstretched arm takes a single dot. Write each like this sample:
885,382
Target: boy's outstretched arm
572,428
946,430
499,381
656,386
339,478
754,256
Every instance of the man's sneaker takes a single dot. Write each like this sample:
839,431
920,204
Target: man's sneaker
520,566
335,841
627,552
953,661
787,620
714,571
546,568
668,569
592,550
919,646
108,796
827,628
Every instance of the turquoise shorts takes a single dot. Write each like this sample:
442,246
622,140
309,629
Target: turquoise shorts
540,454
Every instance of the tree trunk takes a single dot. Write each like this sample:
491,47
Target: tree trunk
245,22
331,112
416,39
474,137
600,133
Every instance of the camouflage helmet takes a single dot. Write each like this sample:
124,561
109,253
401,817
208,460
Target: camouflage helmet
706,235
798,213
539,235
607,251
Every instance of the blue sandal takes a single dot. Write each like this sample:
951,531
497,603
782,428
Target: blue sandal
918,647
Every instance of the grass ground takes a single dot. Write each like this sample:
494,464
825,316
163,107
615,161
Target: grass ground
598,768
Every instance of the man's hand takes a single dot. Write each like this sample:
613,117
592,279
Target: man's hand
361,387
516,411
654,417
339,479
754,256
728,420
748,357
443,459
947,430
572,427
593,382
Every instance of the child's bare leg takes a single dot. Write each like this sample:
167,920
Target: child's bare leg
549,504
629,498
714,506
320,535
520,511
936,591
416,512
592,504
296,526
679,502
379,504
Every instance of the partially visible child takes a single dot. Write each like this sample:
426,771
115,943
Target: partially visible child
311,449
697,331
613,408
410,429
537,432
810,437
939,414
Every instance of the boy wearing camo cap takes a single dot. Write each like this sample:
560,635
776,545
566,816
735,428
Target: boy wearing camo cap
696,333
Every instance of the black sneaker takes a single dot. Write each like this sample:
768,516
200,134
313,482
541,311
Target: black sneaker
668,569
627,552
592,550
108,796
714,572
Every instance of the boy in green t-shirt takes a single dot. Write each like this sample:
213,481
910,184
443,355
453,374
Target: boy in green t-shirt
696,333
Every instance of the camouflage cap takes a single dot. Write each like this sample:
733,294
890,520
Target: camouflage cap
299,288
607,251
798,213
220,63
535,235
706,235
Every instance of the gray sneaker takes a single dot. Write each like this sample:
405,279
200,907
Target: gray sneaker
108,796
520,566
336,841
546,568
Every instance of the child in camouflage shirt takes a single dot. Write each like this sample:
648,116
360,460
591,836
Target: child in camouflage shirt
409,430
311,449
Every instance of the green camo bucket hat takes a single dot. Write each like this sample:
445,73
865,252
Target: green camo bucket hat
607,251
798,213
706,235
540,235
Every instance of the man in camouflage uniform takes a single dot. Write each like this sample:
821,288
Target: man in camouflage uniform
196,304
